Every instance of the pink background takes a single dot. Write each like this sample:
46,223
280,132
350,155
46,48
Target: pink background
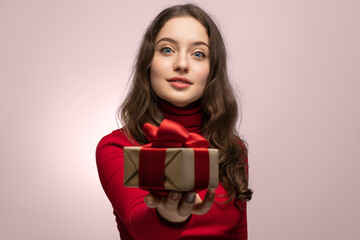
64,67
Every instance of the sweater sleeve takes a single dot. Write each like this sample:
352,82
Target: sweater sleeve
241,231
141,222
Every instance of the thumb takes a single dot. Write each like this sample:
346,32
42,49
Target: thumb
151,201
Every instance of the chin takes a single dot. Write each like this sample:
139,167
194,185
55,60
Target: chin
179,100
177,104
182,104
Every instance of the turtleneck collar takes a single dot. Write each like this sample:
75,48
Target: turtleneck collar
190,117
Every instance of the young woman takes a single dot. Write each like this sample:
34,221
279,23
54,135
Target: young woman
181,75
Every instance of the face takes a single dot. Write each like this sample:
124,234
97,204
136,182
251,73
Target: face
181,63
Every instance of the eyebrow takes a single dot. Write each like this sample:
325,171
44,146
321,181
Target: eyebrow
175,42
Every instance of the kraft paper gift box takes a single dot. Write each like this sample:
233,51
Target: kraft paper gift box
177,170
173,160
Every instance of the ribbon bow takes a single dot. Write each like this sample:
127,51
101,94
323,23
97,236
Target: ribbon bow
173,135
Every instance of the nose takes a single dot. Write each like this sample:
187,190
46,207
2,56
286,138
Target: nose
181,63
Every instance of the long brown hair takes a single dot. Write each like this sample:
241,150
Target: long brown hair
218,100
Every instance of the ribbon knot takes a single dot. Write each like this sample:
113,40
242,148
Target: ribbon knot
173,135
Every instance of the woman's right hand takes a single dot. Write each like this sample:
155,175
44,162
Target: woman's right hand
176,207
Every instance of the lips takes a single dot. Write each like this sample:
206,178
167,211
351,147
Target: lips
179,82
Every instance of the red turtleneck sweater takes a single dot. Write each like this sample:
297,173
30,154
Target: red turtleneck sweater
135,220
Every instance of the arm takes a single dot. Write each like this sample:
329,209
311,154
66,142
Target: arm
141,221
241,231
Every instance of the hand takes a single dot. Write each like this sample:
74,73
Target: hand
178,206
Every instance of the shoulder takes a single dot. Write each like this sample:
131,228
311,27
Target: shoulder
110,149
244,148
242,142
116,138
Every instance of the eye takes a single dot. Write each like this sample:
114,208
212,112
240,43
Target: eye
166,50
199,54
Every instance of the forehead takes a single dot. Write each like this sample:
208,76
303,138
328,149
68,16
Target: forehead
183,29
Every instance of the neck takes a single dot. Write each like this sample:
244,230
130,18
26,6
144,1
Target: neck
190,116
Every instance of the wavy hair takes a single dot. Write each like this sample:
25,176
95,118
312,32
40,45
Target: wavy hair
219,102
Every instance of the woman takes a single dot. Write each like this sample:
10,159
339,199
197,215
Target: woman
180,74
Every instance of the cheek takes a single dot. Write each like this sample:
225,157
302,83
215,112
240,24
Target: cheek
154,69
158,67
203,75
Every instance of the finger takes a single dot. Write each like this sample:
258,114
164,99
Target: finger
204,207
152,200
186,204
171,203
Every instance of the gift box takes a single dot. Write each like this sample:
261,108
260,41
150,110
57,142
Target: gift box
173,160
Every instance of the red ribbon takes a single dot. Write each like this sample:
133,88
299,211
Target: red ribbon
152,156
172,134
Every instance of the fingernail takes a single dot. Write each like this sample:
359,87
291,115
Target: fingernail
175,196
190,198
149,200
